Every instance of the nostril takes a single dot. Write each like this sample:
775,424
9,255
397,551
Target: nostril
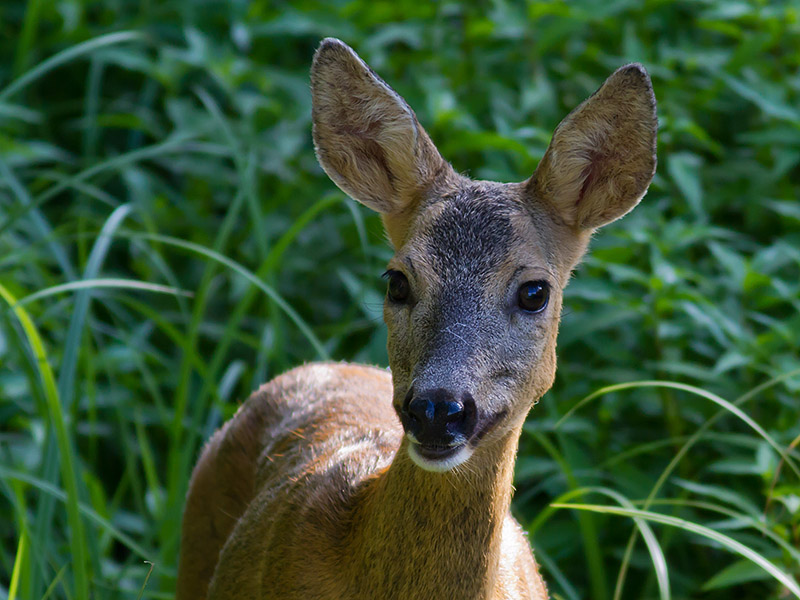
421,410
430,411
451,411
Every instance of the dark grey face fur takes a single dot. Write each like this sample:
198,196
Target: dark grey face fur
461,334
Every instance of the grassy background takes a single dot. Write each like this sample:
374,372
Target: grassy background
168,242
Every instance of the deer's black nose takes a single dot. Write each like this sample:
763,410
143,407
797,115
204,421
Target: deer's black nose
437,418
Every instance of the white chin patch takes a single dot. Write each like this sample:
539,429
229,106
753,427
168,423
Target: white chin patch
439,465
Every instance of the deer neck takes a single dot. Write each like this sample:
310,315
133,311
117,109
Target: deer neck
434,535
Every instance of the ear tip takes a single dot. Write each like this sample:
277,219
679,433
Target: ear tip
636,67
329,43
330,50
635,75
635,78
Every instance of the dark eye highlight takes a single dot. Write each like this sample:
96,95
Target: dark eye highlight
398,289
532,296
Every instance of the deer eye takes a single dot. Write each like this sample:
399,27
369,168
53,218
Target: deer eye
533,295
398,289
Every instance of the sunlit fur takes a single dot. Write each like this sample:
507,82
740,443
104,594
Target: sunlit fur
313,490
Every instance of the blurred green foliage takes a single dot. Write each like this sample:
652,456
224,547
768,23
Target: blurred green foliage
166,178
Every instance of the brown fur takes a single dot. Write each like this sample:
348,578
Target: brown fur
603,155
311,491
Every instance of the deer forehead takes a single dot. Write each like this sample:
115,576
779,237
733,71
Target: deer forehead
479,236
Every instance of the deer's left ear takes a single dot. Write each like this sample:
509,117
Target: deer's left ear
603,154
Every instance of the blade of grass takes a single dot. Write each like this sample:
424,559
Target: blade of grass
727,542
77,541
245,167
104,283
66,56
556,574
19,559
69,360
66,377
266,268
249,276
181,436
148,463
682,452
361,229
38,220
20,113
729,406
89,146
88,512
594,556
653,547
172,332
146,579
792,445
53,584
25,553
178,144
751,522
27,36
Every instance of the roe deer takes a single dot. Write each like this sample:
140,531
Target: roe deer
339,481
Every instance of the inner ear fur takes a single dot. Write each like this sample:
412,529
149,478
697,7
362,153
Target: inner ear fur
603,154
367,138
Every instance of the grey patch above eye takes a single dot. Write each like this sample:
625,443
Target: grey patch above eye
471,234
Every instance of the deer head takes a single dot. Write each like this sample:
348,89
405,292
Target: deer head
475,286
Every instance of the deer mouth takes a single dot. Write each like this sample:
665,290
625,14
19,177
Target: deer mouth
433,452
444,457
438,459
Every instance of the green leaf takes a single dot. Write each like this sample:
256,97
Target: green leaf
684,169
742,571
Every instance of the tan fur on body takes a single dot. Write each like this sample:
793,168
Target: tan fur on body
314,489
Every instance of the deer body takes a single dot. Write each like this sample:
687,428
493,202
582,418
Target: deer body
339,481
327,516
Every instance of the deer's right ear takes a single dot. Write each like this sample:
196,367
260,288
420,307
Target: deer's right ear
367,138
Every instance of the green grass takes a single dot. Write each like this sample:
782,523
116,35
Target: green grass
168,242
